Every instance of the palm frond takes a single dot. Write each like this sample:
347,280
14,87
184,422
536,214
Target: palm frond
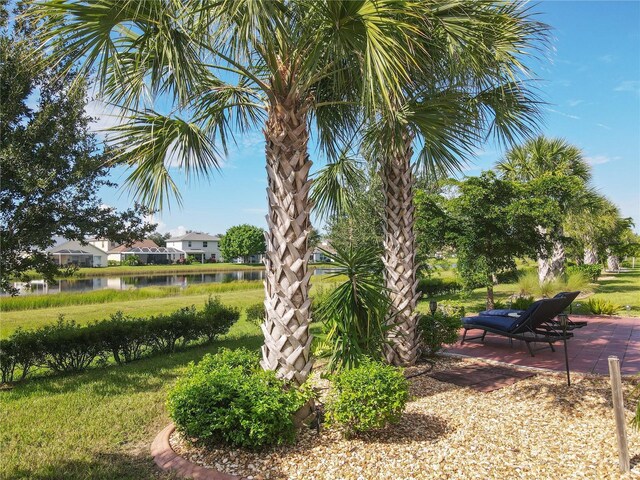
151,143
334,185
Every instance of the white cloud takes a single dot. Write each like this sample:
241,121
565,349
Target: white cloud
574,103
600,159
574,117
602,125
629,86
607,58
104,116
178,231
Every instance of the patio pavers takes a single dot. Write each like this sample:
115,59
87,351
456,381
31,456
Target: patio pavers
588,350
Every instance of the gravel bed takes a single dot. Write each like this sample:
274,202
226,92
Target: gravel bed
537,428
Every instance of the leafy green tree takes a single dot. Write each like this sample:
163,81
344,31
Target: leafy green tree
561,173
51,168
159,239
242,241
493,223
230,66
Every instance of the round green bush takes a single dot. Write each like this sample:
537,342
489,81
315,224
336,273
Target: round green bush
367,397
227,399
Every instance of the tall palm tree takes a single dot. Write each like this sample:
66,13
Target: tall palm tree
555,157
187,73
469,85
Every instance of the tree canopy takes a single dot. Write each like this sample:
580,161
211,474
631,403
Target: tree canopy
242,241
51,168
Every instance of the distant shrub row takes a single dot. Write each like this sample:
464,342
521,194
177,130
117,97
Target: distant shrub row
68,347
431,287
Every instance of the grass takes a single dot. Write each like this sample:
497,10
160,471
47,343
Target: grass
99,424
32,302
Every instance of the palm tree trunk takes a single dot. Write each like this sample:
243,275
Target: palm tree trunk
551,263
590,255
399,257
613,262
287,341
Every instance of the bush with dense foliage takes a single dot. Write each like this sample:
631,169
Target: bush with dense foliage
66,346
367,397
438,330
227,398
522,303
256,313
592,272
600,306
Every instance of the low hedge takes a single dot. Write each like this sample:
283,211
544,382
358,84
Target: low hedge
431,287
68,347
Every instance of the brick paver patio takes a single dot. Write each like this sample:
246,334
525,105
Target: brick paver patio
588,349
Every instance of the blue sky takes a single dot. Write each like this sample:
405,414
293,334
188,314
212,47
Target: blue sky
590,80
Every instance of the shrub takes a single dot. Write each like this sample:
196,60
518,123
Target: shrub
437,330
131,261
431,287
18,353
600,306
113,263
215,319
528,283
522,303
166,331
242,358
68,347
367,397
592,272
256,313
219,400
126,338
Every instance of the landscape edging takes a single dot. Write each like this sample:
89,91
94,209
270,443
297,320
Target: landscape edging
167,459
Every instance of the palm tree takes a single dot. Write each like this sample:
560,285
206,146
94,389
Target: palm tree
549,157
187,73
466,87
597,226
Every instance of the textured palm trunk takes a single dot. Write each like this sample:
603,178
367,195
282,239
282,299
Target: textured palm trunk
590,255
551,266
399,257
613,262
287,341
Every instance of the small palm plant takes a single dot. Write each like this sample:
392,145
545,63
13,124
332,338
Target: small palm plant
355,313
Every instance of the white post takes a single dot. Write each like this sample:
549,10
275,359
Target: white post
618,410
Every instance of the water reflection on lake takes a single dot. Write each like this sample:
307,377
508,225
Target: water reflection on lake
140,281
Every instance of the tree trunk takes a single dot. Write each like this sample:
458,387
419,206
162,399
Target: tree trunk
590,256
613,262
551,264
399,257
490,301
286,328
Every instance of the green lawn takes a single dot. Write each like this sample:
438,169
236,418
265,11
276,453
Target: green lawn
95,425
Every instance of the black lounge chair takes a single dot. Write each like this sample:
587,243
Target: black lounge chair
533,325
569,297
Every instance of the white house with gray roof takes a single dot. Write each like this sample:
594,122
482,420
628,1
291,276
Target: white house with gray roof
202,246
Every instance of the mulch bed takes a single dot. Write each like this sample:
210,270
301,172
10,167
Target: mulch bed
535,428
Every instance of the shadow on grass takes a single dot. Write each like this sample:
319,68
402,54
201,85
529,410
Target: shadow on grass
413,427
148,374
102,466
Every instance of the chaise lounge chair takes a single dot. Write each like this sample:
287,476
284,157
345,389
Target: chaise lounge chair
533,325
569,297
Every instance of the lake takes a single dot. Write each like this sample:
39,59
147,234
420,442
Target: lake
39,287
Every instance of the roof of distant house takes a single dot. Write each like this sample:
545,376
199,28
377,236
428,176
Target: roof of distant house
194,236
141,244
73,247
